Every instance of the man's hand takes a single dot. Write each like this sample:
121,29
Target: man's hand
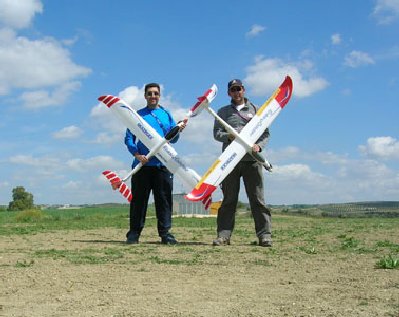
182,124
142,158
256,148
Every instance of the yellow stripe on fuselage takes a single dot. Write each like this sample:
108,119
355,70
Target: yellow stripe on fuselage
263,107
209,171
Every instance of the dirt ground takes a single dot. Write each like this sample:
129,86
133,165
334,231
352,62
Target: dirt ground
93,273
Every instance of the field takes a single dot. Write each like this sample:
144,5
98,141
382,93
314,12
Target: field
75,263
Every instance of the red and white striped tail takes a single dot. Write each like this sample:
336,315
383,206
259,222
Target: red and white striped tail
117,183
108,100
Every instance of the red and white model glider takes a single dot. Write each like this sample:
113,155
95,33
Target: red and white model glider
242,143
157,145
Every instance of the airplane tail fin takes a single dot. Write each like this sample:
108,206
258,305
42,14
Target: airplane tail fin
284,92
203,193
207,202
117,183
203,101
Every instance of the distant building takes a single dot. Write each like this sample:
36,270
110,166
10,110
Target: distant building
184,207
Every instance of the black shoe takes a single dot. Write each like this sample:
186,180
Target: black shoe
265,242
132,239
168,239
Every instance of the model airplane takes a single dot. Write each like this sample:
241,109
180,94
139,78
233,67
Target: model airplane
242,143
158,145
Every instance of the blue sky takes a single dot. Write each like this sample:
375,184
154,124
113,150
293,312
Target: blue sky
336,141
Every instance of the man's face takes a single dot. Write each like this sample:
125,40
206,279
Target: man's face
237,94
152,96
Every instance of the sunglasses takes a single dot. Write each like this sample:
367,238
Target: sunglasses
152,93
235,88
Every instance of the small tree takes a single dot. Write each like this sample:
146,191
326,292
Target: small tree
22,200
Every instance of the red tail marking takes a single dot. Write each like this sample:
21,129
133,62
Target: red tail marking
202,193
108,100
208,92
117,183
285,92
207,202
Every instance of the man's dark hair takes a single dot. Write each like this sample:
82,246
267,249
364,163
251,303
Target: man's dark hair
150,85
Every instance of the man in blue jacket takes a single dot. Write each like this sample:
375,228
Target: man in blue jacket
153,176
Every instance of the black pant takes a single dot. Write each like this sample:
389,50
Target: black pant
160,181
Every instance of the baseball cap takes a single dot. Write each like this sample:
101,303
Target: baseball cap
234,82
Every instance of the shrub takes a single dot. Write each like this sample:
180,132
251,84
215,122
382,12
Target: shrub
29,215
388,262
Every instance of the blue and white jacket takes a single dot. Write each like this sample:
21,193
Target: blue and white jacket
162,121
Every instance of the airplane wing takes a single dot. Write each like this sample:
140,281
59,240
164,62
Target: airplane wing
247,137
153,141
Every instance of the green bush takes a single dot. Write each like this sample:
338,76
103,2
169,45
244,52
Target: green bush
388,262
30,215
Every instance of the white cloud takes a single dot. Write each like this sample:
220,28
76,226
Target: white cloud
357,59
93,163
44,162
41,68
54,165
336,39
381,147
255,30
386,11
342,179
19,14
71,132
73,186
134,96
265,75
43,98
34,64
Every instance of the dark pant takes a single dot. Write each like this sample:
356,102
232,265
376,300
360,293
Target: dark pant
160,182
252,174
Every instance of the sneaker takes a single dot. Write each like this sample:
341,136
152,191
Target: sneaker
221,241
168,239
265,242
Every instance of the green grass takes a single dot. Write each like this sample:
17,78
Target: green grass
29,222
295,236
388,262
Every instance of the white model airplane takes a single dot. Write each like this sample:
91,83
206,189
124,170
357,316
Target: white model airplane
242,143
157,145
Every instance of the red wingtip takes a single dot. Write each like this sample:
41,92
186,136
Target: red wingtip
285,92
108,100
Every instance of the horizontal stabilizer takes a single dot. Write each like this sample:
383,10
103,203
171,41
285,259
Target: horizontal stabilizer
203,101
108,100
117,183
285,92
203,193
